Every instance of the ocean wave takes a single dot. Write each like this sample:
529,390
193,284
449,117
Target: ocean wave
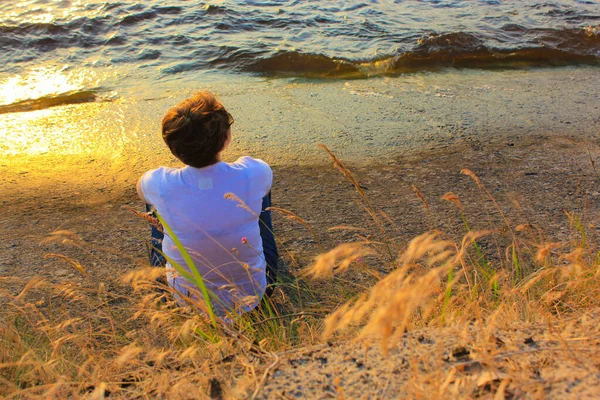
334,39
138,17
47,36
459,50
295,63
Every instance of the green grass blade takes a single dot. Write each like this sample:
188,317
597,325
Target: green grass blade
190,263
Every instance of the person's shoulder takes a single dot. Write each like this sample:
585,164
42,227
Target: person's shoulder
258,171
250,162
162,171
159,175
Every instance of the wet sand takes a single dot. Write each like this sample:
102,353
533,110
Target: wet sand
281,120
536,172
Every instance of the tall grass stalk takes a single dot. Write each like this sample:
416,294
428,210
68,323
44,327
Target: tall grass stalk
197,278
370,209
482,265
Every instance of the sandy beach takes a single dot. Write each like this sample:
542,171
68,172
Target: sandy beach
436,199
535,153
535,181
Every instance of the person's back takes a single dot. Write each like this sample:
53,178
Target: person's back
223,236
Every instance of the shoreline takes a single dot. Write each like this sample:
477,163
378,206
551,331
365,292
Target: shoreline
362,121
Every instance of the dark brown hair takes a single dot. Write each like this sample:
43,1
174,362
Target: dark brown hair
196,129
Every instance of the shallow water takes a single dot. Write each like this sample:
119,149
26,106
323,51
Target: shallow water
370,120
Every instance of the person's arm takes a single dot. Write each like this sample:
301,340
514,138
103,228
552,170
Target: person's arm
265,176
140,192
148,186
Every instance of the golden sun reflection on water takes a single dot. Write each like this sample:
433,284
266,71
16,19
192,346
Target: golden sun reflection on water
35,11
57,130
33,121
44,82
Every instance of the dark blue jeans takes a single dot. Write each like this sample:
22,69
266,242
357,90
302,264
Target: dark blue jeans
266,234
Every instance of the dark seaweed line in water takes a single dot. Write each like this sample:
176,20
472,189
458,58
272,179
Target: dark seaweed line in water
456,49
298,64
76,97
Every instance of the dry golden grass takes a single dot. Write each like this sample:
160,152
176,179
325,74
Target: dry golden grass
66,340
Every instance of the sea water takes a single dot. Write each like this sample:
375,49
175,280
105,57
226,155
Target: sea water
87,76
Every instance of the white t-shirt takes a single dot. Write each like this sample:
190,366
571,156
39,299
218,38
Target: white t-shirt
221,236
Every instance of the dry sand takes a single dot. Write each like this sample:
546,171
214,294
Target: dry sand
469,361
535,180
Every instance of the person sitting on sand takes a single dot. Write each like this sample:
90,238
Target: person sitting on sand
229,239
